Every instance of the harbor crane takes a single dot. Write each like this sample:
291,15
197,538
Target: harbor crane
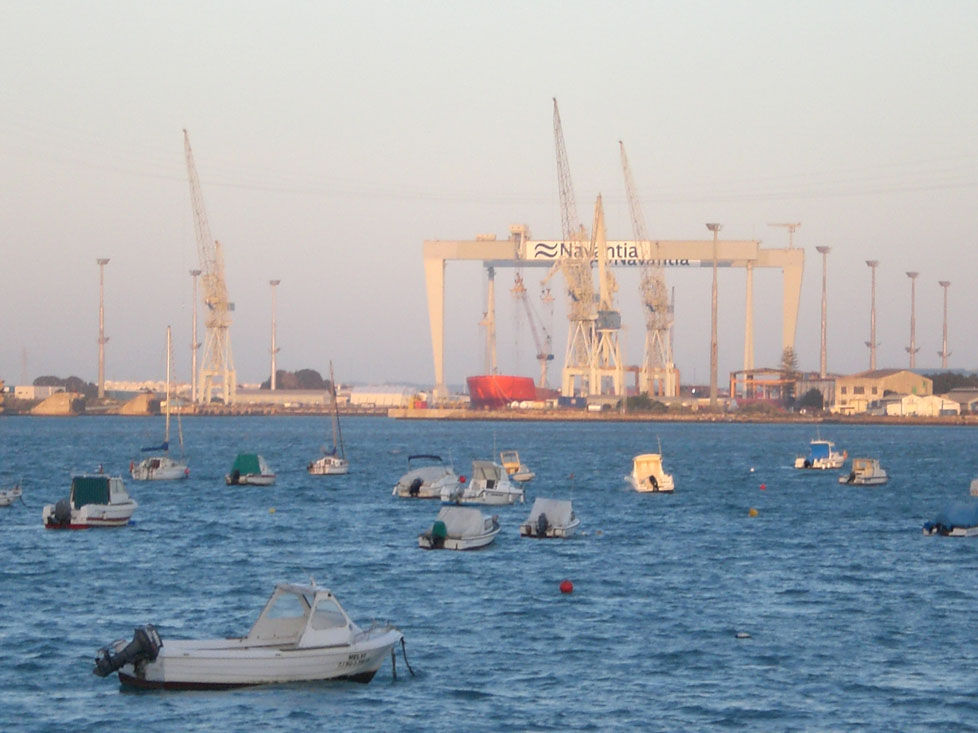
576,269
607,364
545,345
217,376
658,375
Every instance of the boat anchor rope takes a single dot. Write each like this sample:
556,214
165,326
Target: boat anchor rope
394,659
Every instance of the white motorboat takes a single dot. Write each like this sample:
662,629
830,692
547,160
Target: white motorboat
489,484
333,461
95,501
822,455
648,474
9,496
251,469
517,470
162,467
550,518
865,472
459,528
302,635
427,476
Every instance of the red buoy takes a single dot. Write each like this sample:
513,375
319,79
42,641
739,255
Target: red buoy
461,479
763,487
566,586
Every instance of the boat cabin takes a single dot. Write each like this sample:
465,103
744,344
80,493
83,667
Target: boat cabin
487,473
302,616
97,490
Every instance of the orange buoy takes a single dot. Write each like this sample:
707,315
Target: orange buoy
752,512
566,586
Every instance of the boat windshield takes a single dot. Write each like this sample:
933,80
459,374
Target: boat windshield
287,605
327,615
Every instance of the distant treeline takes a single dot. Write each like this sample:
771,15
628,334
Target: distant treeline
71,384
302,379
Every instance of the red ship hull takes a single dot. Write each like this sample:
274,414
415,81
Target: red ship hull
498,390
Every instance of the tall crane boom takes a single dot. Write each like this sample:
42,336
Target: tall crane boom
658,374
576,268
544,346
217,373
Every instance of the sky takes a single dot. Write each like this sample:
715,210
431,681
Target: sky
333,138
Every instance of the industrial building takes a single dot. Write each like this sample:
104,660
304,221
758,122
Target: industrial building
855,393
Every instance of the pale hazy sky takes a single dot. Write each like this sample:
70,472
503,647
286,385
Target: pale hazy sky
333,138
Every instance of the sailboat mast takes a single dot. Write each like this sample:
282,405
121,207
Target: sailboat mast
337,433
166,437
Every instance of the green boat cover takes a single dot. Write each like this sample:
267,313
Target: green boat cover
246,463
89,490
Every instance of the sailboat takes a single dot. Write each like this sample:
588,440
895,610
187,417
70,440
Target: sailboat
333,461
162,467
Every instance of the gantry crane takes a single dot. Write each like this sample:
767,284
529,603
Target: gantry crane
576,269
217,377
658,371
544,346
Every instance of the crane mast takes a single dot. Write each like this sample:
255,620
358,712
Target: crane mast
576,269
217,376
607,365
544,352
658,372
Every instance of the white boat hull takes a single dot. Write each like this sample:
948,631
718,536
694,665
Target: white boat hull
485,497
162,468
226,663
251,479
821,464
864,481
9,496
663,484
528,530
427,542
328,466
92,515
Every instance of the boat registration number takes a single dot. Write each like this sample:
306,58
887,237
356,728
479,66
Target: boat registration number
354,659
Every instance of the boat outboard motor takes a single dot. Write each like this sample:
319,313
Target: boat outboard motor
438,534
542,525
235,477
415,488
145,645
62,513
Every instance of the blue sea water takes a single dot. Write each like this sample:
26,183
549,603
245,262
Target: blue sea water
855,619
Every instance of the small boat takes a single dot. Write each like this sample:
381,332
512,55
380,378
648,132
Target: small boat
865,472
95,501
517,470
957,519
333,462
648,475
427,476
550,518
163,467
9,496
489,484
459,528
302,635
822,455
250,468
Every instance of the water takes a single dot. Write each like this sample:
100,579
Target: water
855,619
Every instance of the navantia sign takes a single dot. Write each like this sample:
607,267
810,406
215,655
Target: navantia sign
618,253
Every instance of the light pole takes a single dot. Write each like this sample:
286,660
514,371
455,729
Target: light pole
713,227
822,365
872,317
912,349
194,344
102,262
944,352
274,349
